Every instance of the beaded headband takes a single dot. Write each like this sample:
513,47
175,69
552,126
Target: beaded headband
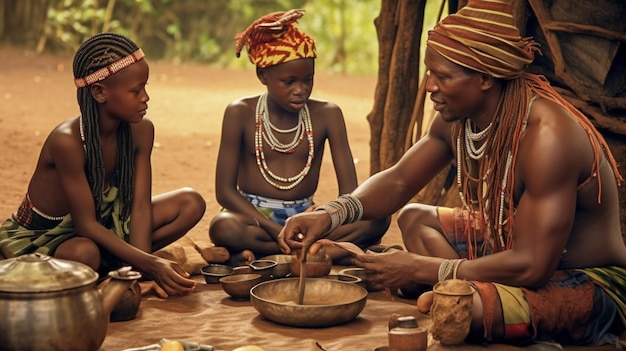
110,69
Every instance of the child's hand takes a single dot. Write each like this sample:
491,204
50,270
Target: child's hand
152,288
172,278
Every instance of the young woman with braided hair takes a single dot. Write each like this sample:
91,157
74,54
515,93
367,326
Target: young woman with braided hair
538,235
90,197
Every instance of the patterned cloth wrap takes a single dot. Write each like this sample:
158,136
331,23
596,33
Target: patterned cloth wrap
17,239
274,39
577,306
278,210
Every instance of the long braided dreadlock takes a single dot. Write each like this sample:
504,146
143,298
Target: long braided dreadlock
95,53
497,171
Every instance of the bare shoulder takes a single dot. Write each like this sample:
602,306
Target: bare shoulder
241,108
325,110
441,130
246,103
554,142
322,105
551,126
143,132
64,139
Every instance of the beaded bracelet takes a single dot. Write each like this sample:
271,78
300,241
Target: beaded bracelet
343,210
449,267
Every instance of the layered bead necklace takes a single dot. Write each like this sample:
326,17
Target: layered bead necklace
265,132
472,137
477,153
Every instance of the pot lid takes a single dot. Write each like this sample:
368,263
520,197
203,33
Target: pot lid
41,273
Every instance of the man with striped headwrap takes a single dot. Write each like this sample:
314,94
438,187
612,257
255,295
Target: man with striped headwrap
272,144
538,234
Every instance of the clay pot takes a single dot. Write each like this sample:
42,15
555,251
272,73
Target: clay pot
451,311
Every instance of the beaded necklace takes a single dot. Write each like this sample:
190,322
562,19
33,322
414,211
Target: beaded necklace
471,138
477,155
265,132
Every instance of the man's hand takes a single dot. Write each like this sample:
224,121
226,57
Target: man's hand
390,270
303,230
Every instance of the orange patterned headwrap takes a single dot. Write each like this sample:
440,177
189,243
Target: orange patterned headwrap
274,39
482,36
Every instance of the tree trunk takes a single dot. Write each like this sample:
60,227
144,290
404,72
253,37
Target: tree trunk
399,29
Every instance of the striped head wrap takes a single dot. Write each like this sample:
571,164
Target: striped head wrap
482,36
274,39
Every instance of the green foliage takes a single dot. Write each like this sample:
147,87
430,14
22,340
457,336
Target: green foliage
67,26
199,30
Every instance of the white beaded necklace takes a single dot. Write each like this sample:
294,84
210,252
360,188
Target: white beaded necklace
471,138
481,135
304,127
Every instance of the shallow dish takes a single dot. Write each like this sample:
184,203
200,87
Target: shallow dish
238,285
327,302
213,272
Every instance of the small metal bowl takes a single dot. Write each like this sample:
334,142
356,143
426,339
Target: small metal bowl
263,267
238,285
359,273
283,265
213,272
243,270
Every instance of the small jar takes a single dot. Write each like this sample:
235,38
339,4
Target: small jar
407,336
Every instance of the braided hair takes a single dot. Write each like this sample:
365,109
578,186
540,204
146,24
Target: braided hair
509,127
95,53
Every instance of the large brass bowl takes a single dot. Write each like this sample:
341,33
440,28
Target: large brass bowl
326,302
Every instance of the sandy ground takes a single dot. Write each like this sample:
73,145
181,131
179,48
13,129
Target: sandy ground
186,106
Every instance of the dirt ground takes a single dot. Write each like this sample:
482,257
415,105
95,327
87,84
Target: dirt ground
186,106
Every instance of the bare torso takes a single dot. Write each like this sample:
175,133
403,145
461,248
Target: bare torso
595,235
250,179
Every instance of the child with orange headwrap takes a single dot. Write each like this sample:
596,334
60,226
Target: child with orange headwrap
272,146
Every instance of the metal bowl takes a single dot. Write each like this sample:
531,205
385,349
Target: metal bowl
345,278
359,273
213,272
238,285
326,302
283,265
263,267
